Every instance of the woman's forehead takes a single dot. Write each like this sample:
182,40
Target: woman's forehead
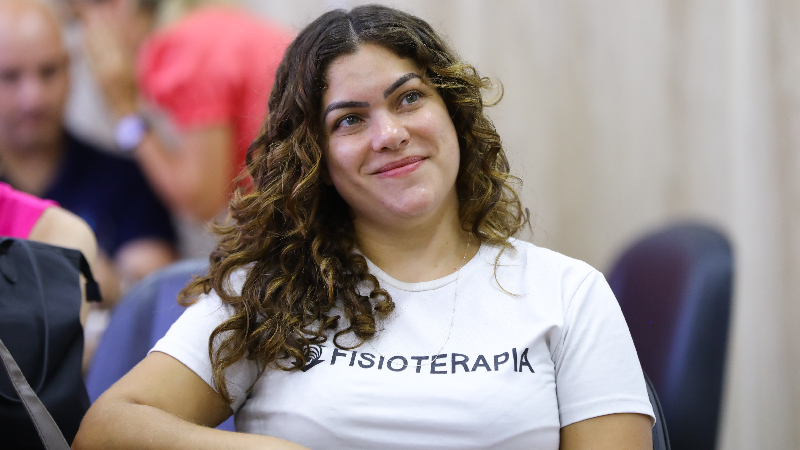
371,67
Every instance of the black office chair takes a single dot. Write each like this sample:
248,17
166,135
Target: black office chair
660,435
674,288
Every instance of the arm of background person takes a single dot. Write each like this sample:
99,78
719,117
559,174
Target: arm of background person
162,404
132,262
140,257
609,432
195,175
108,277
57,226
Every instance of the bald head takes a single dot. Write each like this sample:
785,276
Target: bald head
28,10
34,78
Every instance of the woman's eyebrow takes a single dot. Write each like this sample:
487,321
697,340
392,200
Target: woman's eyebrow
339,105
352,104
399,82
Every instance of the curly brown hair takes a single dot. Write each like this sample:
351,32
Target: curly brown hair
294,235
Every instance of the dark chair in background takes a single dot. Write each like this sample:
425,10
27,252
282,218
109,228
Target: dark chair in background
660,435
139,320
674,288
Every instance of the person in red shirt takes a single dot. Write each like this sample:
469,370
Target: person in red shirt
205,78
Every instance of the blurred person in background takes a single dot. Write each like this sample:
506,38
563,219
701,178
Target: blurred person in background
189,97
24,216
40,157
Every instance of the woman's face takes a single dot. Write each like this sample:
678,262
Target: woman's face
390,146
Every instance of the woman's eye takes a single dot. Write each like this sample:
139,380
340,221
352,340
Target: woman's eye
411,97
348,121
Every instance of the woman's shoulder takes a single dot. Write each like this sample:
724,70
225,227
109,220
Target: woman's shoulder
522,251
233,285
539,265
236,279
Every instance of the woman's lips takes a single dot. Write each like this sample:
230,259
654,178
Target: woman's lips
401,167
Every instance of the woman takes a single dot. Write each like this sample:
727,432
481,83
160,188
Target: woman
368,292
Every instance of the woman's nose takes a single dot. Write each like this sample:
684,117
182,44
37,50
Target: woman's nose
389,132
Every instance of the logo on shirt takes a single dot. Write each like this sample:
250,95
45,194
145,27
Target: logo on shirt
451,363
316,355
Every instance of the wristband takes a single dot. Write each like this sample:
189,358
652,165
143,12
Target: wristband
130,131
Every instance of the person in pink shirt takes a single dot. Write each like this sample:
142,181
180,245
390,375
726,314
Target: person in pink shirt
19,212
209,75
24,216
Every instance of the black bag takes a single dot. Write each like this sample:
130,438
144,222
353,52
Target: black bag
40,300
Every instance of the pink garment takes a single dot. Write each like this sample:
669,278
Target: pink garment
215,66
19,212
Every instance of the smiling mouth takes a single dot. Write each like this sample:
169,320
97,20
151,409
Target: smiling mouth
403,163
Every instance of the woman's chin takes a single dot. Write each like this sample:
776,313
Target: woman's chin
410,209
414,213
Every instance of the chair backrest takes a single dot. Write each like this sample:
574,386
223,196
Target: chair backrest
660,435
140,319
674,288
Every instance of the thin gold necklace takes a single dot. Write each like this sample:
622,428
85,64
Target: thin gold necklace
452,316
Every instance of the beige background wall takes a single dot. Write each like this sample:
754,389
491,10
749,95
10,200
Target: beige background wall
623,115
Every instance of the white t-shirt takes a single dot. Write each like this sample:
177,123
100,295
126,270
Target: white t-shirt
539,346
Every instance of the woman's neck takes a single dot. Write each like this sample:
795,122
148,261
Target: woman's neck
420,252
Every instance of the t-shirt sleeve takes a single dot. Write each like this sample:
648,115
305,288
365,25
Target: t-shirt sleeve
187,341
597,368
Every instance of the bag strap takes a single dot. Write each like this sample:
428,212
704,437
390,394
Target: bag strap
92,288
48,431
